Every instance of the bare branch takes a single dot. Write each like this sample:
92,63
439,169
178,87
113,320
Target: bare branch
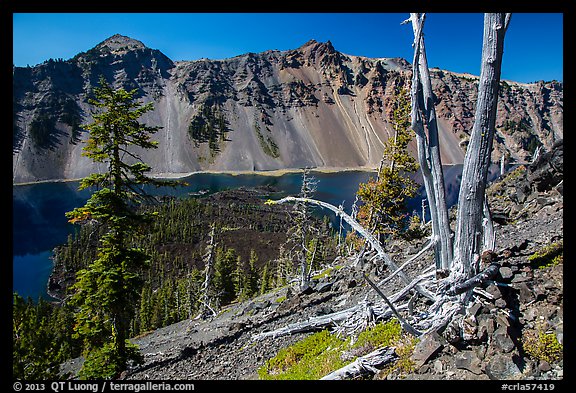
405,325
362,231
427,247
478,279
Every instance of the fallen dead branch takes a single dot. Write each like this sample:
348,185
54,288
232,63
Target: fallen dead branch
366,364
364,233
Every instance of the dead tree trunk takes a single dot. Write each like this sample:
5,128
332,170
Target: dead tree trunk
367,364
424,117
489,243
364,233
468,240
458,257
208,275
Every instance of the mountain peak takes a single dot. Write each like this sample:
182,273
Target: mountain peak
315,45
120,44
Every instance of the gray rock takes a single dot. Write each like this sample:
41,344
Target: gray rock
486,322
494,290
502,367
502,340
560,333
481,351
307,290
438,366
506,273
427,347
474,308
525,294
520,277
502,320
500,303
544,366
468,360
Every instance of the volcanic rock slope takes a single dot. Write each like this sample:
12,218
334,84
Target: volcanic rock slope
312,106
492,336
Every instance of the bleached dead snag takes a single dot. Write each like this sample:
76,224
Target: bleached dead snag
311,324
362,231
367,364
467,242
347,321
424,117
209,273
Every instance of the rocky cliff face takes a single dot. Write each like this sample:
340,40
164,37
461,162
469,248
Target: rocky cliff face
311,106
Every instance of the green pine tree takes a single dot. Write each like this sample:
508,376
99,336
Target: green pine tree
384,199
225,275
266,279
41,339
252,275
107,291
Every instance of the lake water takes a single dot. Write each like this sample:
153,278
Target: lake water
39,223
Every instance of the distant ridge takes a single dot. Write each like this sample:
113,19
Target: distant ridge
310,106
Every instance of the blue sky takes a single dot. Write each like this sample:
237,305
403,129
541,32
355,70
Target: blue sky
533,46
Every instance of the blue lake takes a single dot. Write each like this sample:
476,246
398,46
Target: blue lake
39,223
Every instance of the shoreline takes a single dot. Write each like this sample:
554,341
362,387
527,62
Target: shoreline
182,175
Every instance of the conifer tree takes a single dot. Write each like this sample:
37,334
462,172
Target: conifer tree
252,275
266,279
107,290
225,274
41,339
384,199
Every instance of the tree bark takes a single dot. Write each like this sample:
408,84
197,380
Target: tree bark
468,241
367,364
489,243
209,274
424,116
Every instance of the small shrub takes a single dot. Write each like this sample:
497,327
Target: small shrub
310,358
542,346
383,334
404,349
549,255
415,229
102,363
321,353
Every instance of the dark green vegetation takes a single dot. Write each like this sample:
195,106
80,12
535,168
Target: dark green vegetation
42,338
542,345
530,140
248,237
266,141
549,255
107,288
209,126
54,109
321,353
384,198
